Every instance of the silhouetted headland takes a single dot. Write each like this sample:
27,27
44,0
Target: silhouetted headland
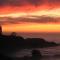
20,42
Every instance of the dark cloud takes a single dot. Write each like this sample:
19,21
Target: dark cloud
36,2
24,2
43,19
20,2
3,2
37,19
54,1
11,2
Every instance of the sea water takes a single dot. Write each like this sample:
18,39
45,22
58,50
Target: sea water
49,53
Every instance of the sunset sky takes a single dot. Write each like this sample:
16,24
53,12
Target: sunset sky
30,16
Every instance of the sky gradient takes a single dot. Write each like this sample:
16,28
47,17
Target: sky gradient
30,16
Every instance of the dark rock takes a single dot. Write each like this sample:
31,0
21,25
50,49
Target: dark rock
36,54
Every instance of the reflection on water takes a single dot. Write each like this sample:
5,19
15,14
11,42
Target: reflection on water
50,58
43,58
51,53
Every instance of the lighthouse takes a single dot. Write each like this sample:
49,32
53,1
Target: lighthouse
0,30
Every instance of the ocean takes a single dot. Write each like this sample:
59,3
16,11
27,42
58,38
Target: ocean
49,53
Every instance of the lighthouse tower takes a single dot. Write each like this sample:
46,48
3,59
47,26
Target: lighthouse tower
0,30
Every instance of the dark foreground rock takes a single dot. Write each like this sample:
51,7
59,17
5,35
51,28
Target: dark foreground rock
36,54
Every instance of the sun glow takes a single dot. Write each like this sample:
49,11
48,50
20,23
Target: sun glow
32,27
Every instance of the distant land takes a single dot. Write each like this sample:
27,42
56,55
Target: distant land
50,37
20,42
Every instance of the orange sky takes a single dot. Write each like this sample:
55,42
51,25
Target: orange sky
29,8
32,27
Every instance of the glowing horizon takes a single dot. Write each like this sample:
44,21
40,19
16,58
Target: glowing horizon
32,28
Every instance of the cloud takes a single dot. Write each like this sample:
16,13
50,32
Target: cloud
54,1
31,19
42,19
11,2
20,2
36,2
